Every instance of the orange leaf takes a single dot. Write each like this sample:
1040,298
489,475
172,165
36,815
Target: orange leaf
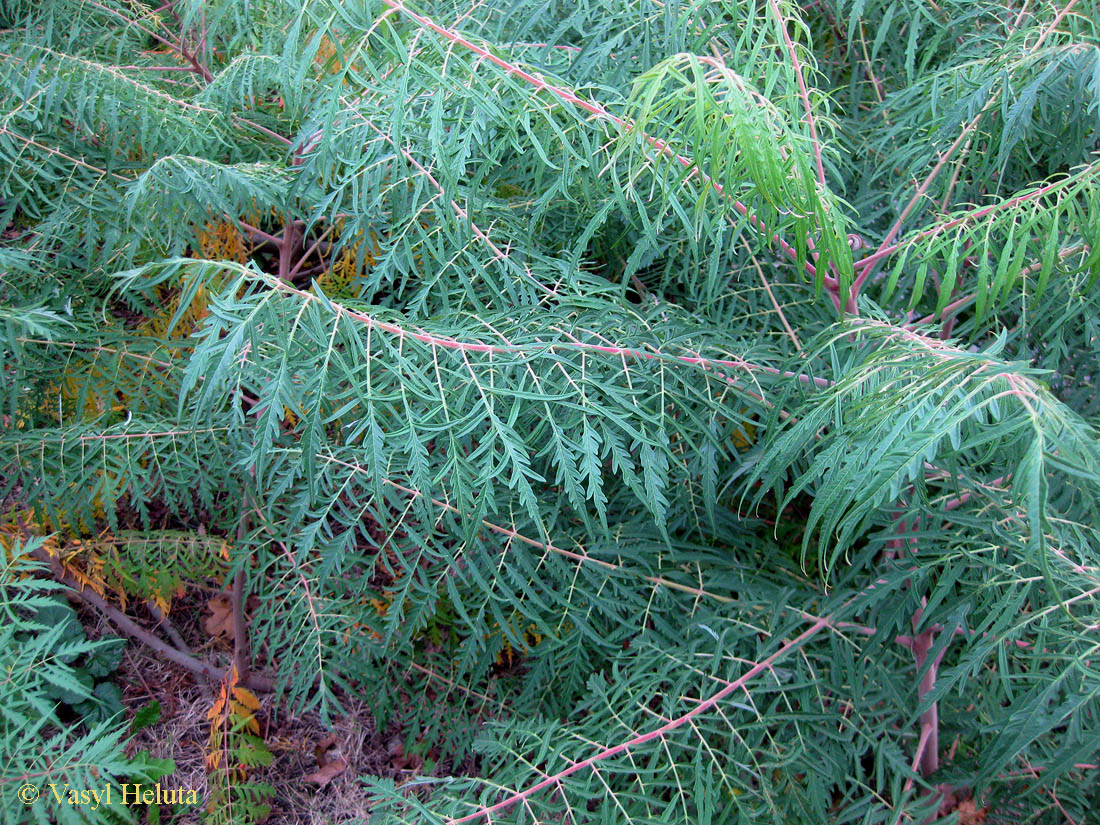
247,698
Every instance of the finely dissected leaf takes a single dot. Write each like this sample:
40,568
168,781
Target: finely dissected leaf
45,668
652,411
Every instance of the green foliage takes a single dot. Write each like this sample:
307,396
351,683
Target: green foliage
61,721
98,698
622,391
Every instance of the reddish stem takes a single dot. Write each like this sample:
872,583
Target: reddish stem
264,130
928,758
883,252
292,231
893,231
594,108
555,779
264,236
709,364
802,91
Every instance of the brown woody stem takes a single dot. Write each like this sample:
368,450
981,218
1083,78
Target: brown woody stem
133,629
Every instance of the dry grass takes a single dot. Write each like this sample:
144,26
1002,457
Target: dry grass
183,730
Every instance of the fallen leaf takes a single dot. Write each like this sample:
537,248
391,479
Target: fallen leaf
328,771
971,814
322,748
220,620
401,760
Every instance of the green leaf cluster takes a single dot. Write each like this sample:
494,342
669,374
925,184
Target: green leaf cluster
609,389
61,717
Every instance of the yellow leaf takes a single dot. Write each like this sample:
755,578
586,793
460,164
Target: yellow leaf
246,698
219,706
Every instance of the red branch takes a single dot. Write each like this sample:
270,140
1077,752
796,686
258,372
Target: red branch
599,111
927,760
802,91
892,233
709,364
974,215
657,733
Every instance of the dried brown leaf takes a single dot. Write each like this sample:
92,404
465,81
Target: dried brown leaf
971,814
220,620
322,748
328,771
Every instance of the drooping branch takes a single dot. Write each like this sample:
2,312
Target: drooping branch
803,92
459,211
893,231
958,303
4,130
977,214
570,97
486,812
177,46
709,364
